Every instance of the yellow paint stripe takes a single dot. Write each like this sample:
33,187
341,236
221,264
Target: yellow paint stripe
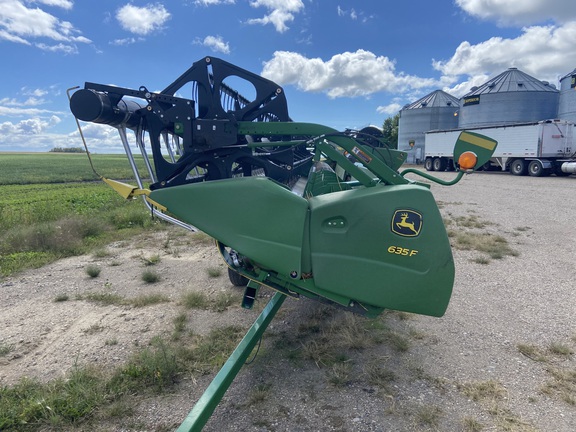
477,141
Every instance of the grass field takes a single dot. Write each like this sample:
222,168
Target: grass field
51,206
33,168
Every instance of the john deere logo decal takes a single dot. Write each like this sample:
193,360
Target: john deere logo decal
407,223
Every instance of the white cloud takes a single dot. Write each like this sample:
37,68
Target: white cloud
64,48
464,87
31,101
99,138
520,12
281,12
19,24
64,4
544,52
353,14
127,41
213,2
215,43
31,126
391,109
349,74
34,92
20,112
142,20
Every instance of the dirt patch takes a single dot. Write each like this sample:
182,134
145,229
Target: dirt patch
430,385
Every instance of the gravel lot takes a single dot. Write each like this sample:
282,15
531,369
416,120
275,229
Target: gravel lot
435,384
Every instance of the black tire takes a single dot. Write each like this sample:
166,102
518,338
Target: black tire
428,164
237,279
439,164
535,168
518,167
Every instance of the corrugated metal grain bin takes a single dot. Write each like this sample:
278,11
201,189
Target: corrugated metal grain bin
437,110
511,97
567,105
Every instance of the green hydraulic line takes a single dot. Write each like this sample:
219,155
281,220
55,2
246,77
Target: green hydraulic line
434,179
212,396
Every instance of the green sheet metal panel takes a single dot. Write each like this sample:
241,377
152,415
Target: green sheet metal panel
386,246
256,216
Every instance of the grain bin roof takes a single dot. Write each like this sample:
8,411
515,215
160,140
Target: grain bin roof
437,98
568,74
512,80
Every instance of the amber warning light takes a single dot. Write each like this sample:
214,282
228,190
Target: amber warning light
467,160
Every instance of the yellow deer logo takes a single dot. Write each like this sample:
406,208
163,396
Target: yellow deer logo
406,223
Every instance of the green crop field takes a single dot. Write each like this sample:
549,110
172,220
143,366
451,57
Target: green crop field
53,205
27,168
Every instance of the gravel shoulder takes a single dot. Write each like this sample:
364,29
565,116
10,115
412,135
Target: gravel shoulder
528,299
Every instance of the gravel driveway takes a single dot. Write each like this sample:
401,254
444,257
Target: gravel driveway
502,358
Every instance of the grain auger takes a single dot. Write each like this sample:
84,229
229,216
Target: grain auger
299,207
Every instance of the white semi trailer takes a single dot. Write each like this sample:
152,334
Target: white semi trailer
537,149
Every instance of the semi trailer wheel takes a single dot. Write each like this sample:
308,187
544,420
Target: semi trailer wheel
439,164
518,167
535,168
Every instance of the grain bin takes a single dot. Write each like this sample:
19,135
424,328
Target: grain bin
567,104
437,110
511,97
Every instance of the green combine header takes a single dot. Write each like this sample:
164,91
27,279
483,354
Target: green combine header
302,208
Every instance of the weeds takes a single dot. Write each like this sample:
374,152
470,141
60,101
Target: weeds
200,238
153,367
471,221
5,349
103,298
483,390
470,424
258,394
428,415
562,385
339,374
149,299
93,329
496,247
559,349
61,401
101,253
195,300
532,352
200,300
214,272
179,326
62,297
563,382
93,271
151,260
379,375
150,277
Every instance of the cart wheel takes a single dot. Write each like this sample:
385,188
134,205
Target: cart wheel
236,278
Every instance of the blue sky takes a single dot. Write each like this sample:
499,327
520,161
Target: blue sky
345,64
